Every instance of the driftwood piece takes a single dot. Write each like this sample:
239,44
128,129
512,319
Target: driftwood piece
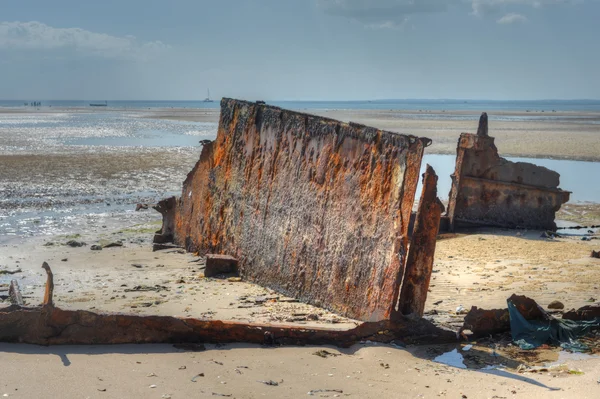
49,285
14,292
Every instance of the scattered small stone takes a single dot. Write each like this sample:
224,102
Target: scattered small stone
10,271
75,243
196,376
385,365
182,367
325,354
556,305
234,279
313,317
113,244
137,265
438,302
140,288
595,254
270,382
64,259
96,248
102,389
152,386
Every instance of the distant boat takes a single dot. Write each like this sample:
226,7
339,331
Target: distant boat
207,99
99,104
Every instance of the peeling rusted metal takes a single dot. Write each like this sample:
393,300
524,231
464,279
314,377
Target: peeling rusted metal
49,293
589,312
489,190
314,208
419,262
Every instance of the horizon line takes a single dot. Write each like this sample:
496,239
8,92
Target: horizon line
313,100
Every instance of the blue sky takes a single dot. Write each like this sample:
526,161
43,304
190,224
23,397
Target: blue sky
300,49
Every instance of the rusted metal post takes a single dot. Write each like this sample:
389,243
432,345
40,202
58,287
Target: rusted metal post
419,261
14,292
482,130
49,285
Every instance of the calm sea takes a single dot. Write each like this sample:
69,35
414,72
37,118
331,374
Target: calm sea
412,105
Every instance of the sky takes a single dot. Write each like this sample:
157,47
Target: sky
299,49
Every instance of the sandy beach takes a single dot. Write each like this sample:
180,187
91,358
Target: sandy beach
482,268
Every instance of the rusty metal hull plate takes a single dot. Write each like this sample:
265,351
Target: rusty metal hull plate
313,208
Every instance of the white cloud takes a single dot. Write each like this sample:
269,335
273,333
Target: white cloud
394,13
482,7
382,14
511,19
35,35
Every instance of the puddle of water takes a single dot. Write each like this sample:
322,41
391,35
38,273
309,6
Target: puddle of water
565,357
572,175
452,358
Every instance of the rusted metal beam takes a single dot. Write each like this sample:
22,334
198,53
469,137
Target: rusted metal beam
48,325
419,262
48,294
14,293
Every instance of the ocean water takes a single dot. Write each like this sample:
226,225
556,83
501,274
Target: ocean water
409,105
72,172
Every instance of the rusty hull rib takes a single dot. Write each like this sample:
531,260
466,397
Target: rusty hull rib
314,208
49,325
419,262
488,190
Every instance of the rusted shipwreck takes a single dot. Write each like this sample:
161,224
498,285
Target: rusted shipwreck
312,207
488,190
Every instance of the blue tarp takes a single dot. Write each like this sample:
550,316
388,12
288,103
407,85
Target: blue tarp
530,334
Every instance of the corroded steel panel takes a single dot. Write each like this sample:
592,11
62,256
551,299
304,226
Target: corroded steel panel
312,207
